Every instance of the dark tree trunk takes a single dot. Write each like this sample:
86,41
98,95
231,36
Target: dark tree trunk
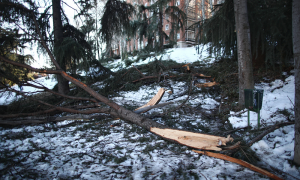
244,49
160,28
296,50
63,84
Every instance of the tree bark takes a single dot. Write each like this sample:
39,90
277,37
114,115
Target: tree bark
244,49
296,50
63,84
160,28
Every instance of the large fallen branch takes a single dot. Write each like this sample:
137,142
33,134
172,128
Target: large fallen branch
120,111
240,162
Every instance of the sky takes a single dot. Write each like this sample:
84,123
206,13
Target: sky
93,149
70,10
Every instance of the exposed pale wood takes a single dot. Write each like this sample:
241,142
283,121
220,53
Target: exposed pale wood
147,108
208,84
236,145
195,140
240,162
154,100
187,66
201,75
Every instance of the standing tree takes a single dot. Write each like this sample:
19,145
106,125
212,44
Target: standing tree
63,84
244,49
296,49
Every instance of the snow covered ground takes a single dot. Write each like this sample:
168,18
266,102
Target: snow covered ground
113,149
180,55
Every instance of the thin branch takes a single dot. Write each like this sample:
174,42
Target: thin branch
37,120
138,71
46,71
291,101
70,6
44,43
62,95
271,129
147,108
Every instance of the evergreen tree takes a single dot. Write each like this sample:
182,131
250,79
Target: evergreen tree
10,46
12,41
270,27
296,48
115,20
150,26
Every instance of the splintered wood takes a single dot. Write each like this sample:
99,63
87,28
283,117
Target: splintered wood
195,140
155,100
208,84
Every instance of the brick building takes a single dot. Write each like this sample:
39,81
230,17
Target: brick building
196,10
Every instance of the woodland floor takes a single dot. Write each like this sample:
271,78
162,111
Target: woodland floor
106,148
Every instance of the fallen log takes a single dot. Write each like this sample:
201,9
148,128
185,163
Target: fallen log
240,162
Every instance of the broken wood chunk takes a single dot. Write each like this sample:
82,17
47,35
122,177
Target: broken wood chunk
155,100
208,84
195,140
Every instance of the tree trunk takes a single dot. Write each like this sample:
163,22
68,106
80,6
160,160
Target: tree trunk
160,28
244,49
63,84
296,50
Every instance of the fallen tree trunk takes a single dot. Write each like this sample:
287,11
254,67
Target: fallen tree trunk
117,110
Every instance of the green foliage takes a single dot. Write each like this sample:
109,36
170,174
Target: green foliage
116,19
270,27
149,27
10,43
271,31
73,50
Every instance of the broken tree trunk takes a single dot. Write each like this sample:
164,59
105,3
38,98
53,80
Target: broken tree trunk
117,110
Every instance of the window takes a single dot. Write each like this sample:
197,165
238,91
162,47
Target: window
178,35
167,16
167,26
146,4
177,3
